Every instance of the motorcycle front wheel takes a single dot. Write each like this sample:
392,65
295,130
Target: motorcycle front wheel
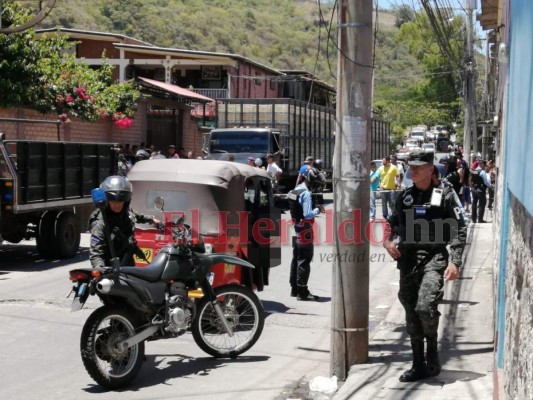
106,363
243,312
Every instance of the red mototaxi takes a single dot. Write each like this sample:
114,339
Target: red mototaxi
221,201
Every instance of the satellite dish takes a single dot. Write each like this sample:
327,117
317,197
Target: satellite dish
38,10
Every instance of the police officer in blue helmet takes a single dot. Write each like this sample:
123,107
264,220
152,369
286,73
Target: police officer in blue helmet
121,223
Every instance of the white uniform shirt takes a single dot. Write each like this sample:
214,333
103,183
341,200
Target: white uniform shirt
273,169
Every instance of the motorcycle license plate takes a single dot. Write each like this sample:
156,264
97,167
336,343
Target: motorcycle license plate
79,298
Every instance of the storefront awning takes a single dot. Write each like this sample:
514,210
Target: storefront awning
177,90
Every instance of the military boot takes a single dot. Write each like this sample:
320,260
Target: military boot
433,363
418,370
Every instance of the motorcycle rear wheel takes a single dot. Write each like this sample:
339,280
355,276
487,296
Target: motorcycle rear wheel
108,365
244,313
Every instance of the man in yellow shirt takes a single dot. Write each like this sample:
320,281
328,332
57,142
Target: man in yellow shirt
387,173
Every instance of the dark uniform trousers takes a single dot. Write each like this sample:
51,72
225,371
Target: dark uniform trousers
479,201
302,255
421,290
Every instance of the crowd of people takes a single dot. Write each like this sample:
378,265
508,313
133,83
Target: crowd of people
473,184
128,155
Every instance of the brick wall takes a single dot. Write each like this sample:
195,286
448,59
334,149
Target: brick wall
99,131
75,131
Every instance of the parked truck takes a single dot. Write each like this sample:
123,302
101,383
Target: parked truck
45,191
289,129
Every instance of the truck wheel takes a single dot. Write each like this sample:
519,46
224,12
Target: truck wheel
67,235
45,235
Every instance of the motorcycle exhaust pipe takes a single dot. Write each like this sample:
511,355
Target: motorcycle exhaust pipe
104,286
107,286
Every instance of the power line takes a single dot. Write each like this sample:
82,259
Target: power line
423,74
316,60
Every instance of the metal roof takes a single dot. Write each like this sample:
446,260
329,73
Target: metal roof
175,89
202,172
84,34
193,54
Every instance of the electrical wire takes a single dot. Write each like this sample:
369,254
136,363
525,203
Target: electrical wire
423,74
328,30
317,56
340,50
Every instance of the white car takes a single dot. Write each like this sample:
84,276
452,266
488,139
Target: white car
432,135
411,143
418,135
429,147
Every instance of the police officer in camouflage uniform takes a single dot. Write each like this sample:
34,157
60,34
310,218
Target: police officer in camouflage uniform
121,222
426,219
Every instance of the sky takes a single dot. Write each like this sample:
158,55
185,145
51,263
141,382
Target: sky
391,3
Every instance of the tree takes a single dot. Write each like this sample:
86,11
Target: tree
38,74
434,97
404,13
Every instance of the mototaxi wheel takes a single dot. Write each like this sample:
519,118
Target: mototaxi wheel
107,364
244,313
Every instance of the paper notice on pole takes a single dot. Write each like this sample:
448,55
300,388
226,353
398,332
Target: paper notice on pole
353,137
354,131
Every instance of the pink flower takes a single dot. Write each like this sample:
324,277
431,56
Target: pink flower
69,99
103,113
123,123
80,92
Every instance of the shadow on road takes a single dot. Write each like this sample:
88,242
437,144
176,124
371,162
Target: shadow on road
25,258
159,369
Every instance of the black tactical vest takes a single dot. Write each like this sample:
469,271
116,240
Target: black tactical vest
296,209
421,224
477,180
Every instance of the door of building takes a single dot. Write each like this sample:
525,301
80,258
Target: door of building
164,127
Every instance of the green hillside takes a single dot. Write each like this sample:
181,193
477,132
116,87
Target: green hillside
283,34
413,83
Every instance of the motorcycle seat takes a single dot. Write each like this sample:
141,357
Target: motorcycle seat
152,272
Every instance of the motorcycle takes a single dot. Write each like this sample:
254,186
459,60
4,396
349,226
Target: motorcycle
153,303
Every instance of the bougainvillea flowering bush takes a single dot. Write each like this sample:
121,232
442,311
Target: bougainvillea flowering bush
39,74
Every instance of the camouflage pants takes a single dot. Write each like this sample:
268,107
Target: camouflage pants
421,291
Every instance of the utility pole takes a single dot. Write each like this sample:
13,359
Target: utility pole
349,339
470,83
486,128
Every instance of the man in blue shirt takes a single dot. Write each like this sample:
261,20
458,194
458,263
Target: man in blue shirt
307,165
303,214
480,182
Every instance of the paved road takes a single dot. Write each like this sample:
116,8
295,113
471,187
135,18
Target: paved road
39,336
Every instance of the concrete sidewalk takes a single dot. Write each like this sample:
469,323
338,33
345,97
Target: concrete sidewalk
465,339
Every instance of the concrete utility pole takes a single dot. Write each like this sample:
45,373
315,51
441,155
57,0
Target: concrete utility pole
349,343
470,84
